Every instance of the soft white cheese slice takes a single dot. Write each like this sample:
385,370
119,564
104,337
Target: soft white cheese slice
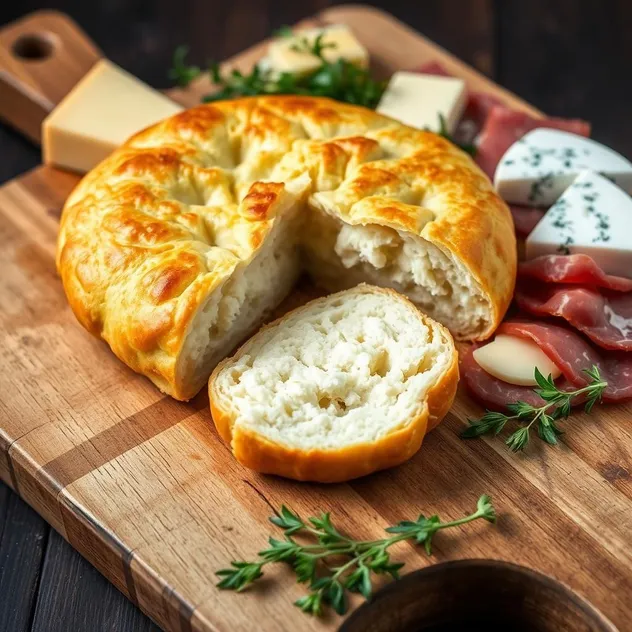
100,113
287,54
593,217
514,360
417,100
539,167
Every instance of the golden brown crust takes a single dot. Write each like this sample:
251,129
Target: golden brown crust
257,452
152,232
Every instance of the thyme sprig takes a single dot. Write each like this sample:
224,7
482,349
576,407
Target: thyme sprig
340,79
557,407
333,564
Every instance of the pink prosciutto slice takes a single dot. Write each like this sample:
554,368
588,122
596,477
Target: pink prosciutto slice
580,269
505,126
572,354
489,390
525,218
606,318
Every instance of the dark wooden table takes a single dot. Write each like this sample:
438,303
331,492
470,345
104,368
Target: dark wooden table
569,58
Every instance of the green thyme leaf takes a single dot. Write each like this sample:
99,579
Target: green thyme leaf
557,406
358,560
288,521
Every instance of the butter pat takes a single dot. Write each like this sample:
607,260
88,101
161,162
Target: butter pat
417,100
338,42
514,360
103,110
593,217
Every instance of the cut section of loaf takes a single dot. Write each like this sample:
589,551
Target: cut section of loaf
176,247
339,388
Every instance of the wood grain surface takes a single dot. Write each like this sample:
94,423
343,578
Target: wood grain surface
142,486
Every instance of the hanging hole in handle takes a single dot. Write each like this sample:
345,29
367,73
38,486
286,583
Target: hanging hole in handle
34,46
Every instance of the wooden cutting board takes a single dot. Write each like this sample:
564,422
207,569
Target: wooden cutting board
144,488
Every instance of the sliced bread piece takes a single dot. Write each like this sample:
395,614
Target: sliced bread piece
341,387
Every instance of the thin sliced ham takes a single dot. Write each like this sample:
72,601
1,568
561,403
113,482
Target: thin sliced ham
605,318
572,354
567,349
505,126
525,218
580,269
434,68
489,390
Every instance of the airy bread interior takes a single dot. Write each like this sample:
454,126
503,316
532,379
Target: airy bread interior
340,255
337,256
231,313
346,369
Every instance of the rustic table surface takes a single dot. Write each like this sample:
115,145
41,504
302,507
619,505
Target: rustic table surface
569,58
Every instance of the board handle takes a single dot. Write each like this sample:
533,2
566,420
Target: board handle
42,57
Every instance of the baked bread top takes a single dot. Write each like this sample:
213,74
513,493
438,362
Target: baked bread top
159,228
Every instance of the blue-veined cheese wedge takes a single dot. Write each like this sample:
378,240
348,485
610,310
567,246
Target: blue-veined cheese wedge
538,168
593,217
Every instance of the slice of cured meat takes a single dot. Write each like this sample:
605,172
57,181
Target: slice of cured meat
505,126
606,318
580,269
572,354
525,218
434,68
489,390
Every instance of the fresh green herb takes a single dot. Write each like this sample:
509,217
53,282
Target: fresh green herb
469,148
283,31
182,74
357,560
340,79
315,48
545,418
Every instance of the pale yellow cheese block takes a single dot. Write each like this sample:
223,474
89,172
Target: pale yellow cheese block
101,112
338,41
418,99
514,360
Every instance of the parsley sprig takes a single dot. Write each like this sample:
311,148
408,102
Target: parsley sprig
333,564
340,79
557,407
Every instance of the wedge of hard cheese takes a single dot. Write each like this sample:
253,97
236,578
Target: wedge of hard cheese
342,387
292,53
514,360
107,107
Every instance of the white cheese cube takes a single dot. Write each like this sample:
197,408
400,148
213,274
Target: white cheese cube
417,100
287,54
514,360
539,167
593,217
100,113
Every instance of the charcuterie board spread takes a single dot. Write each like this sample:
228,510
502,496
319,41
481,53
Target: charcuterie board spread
144,486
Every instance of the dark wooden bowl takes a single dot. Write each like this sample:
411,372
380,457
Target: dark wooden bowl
477,595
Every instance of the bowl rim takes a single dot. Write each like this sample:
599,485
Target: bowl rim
538,577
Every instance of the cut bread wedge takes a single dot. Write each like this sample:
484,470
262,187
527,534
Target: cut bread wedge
344,386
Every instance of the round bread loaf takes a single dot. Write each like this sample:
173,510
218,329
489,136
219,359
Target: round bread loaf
344,386
175,248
